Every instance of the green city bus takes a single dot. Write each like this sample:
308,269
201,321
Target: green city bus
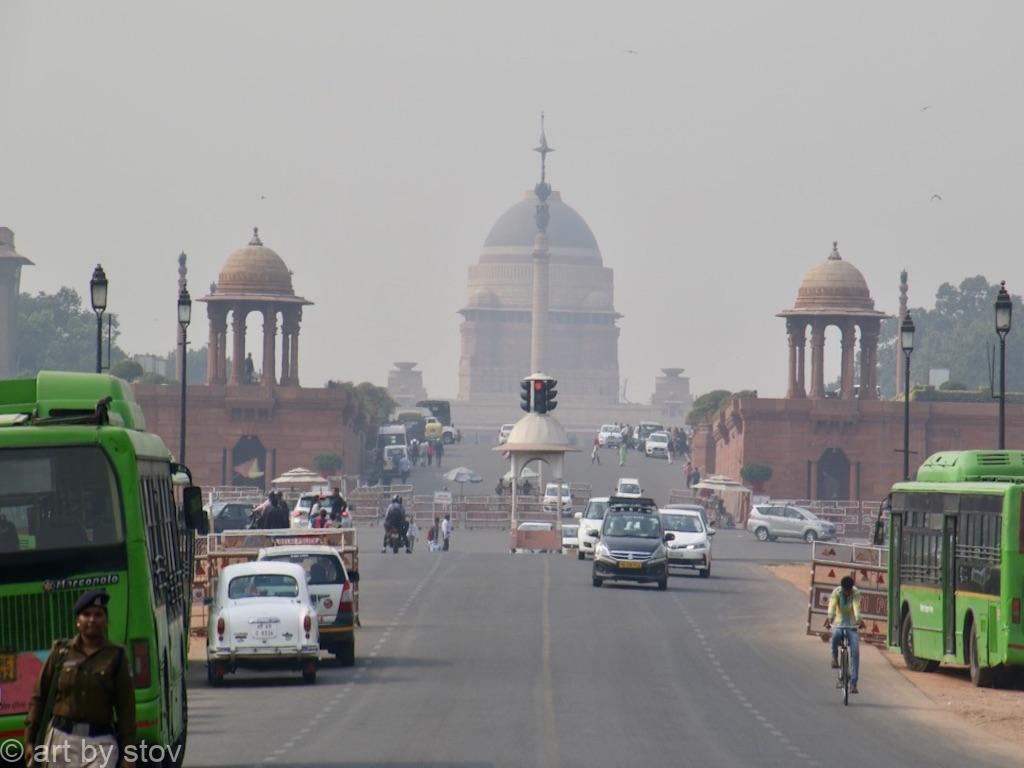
87,500
956,564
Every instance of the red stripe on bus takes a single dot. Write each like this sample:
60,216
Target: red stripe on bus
146,723
1015,646
12,734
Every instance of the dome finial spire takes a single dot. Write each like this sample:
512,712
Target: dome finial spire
255,237
543,189
834,256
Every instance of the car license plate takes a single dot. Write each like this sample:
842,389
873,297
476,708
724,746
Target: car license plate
264,630
631,564
8,667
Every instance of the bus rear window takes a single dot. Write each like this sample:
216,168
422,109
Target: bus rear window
57,499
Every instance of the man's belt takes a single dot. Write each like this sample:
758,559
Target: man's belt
76,728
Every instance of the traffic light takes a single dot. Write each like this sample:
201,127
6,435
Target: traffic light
550,394
540,396
524,394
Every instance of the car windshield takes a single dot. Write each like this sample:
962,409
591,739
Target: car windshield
263,585
629,488
320,569
570,531
632,525
658,438
305,502
552,490
609,428
595,510
682,523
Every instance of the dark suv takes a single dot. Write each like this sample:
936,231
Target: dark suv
631,546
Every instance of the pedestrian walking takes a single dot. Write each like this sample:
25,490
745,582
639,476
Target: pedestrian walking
688,473
430,454
439,452
412,534
622,455
595,452
82,710
434,535
446,532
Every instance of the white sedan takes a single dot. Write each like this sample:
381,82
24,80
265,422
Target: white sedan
690,545
550,501
656,445
262,618
610,436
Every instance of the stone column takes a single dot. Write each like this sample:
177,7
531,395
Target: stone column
216,351
238,314
817,359
869,359
801,342
290,346
848,358
222,350
791,334
269,345
539,329
285,354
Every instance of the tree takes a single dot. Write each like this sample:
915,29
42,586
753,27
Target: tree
196,364
129,370
153,378
56,334
327,463
707,405
958,334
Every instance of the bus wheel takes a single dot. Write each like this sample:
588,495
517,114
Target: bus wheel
913,663
982,677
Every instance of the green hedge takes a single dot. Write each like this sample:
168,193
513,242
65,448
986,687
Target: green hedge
933,395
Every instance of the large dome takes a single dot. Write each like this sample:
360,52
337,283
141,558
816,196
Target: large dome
567,232
255,269
834,285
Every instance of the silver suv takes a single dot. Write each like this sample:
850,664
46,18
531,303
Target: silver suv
770,521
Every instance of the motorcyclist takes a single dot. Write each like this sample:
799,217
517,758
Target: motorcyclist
394,519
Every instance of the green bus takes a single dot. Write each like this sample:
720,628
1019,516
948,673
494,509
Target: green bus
956,564
87,499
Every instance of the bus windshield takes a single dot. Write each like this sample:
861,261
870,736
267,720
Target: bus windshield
57,499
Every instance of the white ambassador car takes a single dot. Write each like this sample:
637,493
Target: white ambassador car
262,618
690,546
609,436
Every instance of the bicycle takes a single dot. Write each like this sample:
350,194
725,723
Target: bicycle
843,679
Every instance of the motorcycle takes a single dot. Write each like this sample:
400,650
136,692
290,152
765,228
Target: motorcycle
395,539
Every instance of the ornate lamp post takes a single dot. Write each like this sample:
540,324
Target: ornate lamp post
184,318
1004,313
98,296
907,345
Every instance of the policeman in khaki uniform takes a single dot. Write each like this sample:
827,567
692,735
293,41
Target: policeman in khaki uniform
93,718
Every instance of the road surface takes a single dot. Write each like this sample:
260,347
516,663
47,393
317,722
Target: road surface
480,658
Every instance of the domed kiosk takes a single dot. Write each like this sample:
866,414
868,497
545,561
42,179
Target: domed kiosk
254,279
582,335
833,293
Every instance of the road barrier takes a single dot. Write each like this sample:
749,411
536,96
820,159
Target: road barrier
868,565
854,520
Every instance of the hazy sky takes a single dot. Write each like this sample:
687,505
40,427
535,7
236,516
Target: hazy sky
715,164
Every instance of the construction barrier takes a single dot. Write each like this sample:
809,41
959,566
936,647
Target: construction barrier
854,520
536,541
214,552
868,565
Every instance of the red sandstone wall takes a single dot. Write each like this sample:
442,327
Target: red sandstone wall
787,434
295,423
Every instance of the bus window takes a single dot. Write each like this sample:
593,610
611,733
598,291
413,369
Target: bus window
59,498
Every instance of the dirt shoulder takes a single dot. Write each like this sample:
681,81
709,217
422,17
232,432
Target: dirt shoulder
994,712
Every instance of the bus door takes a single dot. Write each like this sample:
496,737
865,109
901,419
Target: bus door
949,568
895,565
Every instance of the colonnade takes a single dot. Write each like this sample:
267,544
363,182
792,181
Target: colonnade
797,329
291,317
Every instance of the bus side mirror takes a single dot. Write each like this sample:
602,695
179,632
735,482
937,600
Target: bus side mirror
195,516
878,539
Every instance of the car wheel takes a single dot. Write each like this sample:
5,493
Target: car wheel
761,534
309,672
663,584
596,581
217,671
705,572
913,663
447,440
580,555
773,538
810,537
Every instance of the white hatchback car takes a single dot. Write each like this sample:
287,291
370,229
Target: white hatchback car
610,436
504,432
591,520
262,618
690,546
550,501
629,488
330,591
656,445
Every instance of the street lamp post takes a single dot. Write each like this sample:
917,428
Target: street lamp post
184,318
907,345
1004,313
98,296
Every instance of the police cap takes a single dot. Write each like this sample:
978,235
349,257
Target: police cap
94,598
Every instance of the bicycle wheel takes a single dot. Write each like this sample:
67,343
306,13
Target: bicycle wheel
845,663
